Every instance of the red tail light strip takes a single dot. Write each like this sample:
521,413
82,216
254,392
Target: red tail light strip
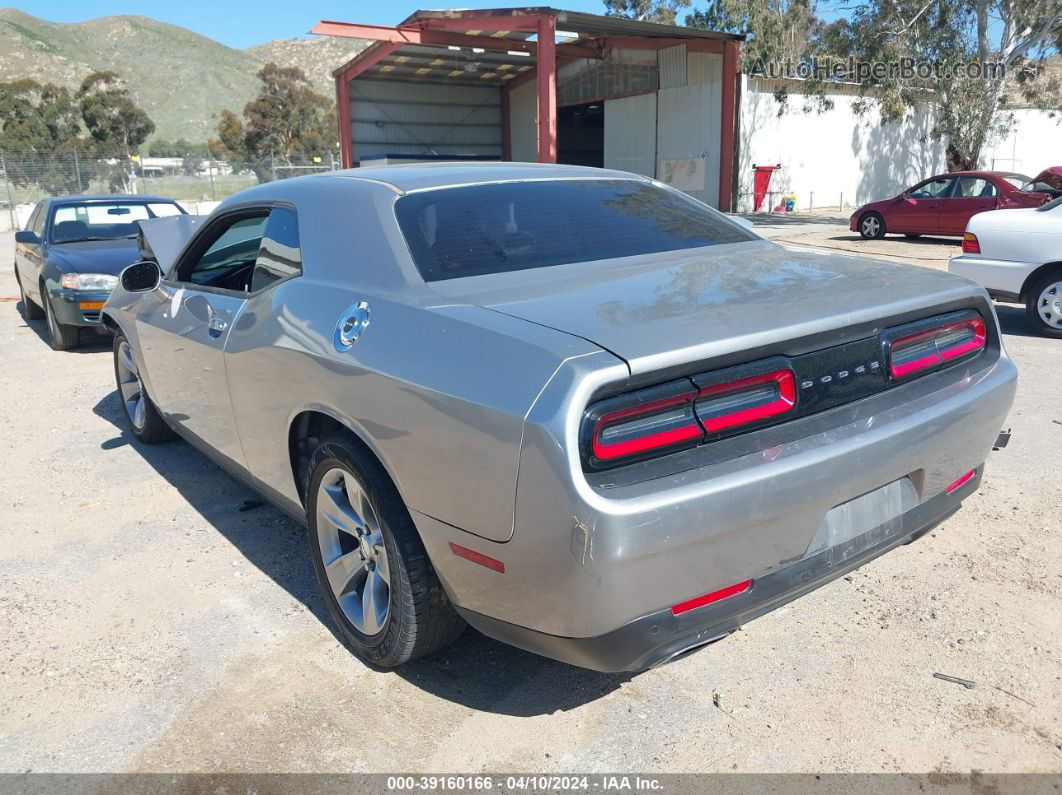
709,598
918,352
766,403
664,428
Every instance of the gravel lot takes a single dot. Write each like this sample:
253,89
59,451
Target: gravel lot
147,624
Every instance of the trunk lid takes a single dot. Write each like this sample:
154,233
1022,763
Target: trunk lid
664,310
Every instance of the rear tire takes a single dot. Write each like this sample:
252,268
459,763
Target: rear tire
1043,304
29,310
373,571
871,226
60,336
144,419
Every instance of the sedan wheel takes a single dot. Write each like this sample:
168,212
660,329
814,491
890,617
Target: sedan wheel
353,551
61,336
378,584
144,419
871,226
1044,306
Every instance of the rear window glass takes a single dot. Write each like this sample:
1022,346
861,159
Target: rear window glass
512,226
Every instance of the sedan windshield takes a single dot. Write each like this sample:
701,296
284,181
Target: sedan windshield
73,223
510,226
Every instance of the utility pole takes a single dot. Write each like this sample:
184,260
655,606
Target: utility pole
77,171
210,165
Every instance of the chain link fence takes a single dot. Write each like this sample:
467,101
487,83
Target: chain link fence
29,177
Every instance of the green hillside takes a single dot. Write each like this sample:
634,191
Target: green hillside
180,78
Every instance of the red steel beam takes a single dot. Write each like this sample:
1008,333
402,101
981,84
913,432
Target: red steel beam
523,22
343,75
728,117
650,43
443,38
546,83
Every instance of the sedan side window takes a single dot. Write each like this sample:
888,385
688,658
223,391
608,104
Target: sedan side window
934,189
974,188
36,221
279,257
229,260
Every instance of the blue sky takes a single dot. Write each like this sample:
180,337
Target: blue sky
243,23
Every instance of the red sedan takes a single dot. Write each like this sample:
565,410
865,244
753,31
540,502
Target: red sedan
942,205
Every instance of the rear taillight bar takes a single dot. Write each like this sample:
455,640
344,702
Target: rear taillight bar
682,414
926,350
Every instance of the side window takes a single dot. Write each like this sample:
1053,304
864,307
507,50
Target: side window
934,189
279,257
229,260
974,188
36,221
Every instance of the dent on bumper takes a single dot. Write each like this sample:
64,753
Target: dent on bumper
662,636
582,564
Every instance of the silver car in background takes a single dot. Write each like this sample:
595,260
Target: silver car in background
574,408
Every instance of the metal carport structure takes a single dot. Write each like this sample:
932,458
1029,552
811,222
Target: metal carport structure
469,74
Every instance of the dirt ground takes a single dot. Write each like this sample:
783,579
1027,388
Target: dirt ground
148,624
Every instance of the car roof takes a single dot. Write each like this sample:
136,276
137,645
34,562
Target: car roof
426,176
109,197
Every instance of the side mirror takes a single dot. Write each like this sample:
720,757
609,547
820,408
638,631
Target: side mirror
27,236
141,276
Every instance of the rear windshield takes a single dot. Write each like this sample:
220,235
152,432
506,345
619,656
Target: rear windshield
512,226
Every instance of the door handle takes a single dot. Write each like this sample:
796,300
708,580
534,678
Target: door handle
216,327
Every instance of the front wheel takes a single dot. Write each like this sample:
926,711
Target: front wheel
1043,306
872,226
380,588
144,419
61,337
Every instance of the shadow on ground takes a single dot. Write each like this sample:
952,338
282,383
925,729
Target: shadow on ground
1013,321
476,671
789,219
91,341
916,241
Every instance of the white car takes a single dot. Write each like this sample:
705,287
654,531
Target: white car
1017,256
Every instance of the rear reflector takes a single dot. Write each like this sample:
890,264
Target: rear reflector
747,400
710,598
477,557
928,349
970,244
961,481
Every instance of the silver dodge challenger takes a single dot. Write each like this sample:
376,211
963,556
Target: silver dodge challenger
572,407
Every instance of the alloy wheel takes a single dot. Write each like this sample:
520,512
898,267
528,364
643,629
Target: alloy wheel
130,386
1049,305
871,225
353,551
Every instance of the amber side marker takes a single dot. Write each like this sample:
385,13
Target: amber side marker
477,557
961,481
91,306
709,598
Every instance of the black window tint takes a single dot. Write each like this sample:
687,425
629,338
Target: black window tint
279,257
234,250
512,226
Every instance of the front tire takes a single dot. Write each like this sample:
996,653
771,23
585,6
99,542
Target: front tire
375,576
144,419
1043,305
871,226
60,336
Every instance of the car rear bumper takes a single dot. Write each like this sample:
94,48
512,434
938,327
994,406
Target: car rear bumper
1002,278
585,563
662,636
79,307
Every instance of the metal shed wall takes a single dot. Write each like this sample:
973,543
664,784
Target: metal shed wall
630,134
523,123
414,117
